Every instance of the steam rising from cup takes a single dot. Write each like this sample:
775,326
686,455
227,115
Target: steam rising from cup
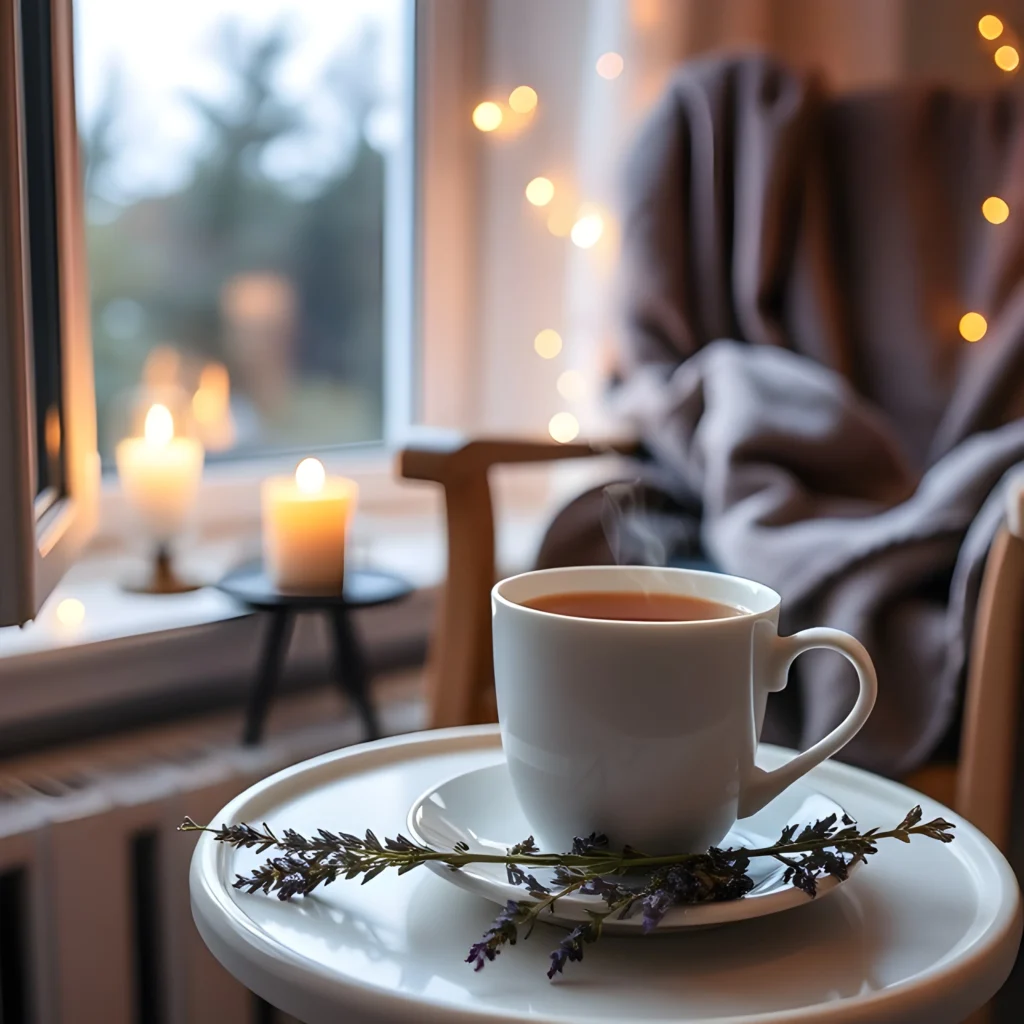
629,529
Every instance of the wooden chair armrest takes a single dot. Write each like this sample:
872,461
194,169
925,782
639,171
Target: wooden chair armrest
444,457
460,672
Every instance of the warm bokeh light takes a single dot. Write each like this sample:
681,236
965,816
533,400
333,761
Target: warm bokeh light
212,397
522,99
1006,58
973,326
159,425
560,223
205,406
487,116
211,407
995,210
214,377
645,14
564,427
52,431
572,385
609,65
256,300
587,230
548,343
540,191
162,367
70,612
310,476
990,26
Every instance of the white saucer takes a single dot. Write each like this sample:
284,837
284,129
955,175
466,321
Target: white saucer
479,808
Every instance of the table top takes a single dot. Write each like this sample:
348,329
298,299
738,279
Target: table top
924,932
364,588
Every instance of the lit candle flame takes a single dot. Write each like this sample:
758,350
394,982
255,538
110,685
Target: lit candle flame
310,476
159,428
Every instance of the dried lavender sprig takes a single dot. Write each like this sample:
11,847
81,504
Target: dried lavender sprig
341,853
828,847
819,849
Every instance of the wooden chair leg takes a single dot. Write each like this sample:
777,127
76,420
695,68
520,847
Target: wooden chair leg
460,671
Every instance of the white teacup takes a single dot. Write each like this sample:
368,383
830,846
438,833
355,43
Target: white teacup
646,731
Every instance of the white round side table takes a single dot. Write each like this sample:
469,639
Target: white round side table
925,932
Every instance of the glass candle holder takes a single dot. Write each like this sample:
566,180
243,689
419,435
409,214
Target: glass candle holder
159,460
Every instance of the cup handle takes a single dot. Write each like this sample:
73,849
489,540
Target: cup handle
762,786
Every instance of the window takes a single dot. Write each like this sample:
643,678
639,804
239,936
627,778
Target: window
41,193
48,468
237,190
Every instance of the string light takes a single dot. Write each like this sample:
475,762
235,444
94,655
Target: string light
587,230
522,99
548,343
990,27
487,116
609,65
540,191
563,427
973,326
1006,58
995,210
571,385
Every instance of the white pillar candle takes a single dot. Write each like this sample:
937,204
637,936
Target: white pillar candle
160,474
305,519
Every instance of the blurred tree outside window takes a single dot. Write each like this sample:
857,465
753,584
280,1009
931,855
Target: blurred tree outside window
234,161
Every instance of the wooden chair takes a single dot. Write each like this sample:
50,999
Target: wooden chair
460,670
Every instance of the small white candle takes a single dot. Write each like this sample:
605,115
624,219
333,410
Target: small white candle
305,519
160,474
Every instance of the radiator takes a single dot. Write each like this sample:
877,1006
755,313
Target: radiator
95,924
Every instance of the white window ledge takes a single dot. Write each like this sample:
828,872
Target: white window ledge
135,654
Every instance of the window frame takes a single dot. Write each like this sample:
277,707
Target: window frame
449,58
37,549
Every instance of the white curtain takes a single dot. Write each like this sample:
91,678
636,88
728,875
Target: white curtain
531,276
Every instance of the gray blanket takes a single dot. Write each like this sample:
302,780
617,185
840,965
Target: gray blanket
796,266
